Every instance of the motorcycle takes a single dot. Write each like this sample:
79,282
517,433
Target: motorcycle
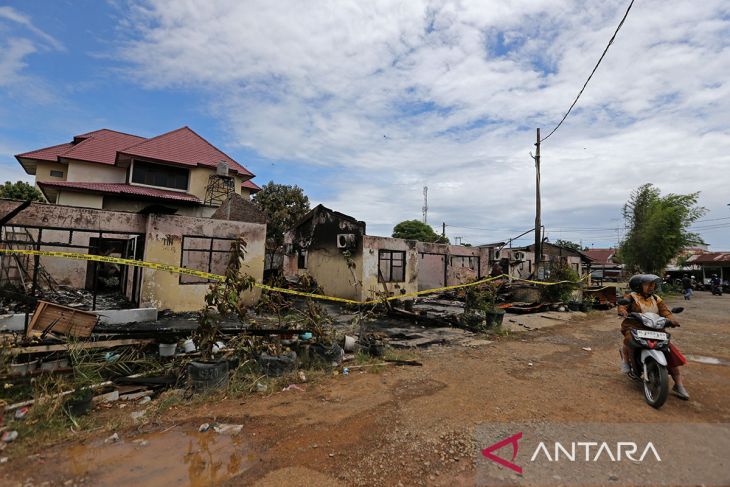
716,289
649,350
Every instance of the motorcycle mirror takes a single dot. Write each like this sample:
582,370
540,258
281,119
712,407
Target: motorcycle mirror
624,302
677,310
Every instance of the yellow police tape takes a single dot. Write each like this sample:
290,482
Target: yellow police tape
217,277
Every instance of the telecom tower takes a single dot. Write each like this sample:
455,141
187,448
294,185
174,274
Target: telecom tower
425,204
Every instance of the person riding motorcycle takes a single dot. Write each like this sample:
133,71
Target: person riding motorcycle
716,285
643,300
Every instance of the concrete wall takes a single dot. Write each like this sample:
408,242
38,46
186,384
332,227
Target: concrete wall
163,244
84,172
330,269
114,203
83,200
161,289
447,265
44,168
370,256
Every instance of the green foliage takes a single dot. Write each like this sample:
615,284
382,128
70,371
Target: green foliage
568,245
223,298
559,292
284,206
658,228
480,298
20,190
417,230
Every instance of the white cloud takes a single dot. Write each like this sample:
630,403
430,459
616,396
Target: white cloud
13,15
393,96
22,39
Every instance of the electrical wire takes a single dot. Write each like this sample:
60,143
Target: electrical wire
613,37
713,219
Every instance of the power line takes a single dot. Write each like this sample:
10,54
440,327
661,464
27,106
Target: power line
613,37
713,219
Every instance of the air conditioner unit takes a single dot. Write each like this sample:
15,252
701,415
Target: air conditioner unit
346,240
519,256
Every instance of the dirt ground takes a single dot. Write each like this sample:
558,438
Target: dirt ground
405,425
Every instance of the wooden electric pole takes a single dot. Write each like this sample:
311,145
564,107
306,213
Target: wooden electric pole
538,235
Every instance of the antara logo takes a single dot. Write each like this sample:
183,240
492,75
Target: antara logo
592,451
487,452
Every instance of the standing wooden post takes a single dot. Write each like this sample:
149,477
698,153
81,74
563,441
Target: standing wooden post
538,235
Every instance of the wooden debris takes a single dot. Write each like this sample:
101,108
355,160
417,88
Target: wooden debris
51,317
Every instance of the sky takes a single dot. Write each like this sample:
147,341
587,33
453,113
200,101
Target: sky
362,104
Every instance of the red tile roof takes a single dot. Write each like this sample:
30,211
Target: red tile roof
251,185
46,154
101,146
601,256
710,258
122,189
183,146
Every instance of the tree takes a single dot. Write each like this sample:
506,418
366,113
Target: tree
417,230
284,205
658,228
20,190
568,245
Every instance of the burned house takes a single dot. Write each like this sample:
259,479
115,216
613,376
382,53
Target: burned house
192,242
346,262
519,262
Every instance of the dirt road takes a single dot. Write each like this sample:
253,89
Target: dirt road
408,425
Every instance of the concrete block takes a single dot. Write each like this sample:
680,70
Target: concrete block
121,316
13,322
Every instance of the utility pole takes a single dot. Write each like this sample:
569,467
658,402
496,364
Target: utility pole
538,235
443,229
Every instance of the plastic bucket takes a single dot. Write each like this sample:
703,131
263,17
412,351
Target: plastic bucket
349,343
167,349
208,375
189,346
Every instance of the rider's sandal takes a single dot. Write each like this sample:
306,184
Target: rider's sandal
680,392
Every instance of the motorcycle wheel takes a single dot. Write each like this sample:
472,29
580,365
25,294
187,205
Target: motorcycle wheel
656,385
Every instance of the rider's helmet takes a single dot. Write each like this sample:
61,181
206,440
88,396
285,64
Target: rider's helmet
636,281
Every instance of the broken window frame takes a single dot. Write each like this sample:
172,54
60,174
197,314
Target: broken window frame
37,242
472,262
385,255
186,279
302,259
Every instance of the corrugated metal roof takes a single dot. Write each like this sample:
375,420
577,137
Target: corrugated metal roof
710,258
184,146
121,189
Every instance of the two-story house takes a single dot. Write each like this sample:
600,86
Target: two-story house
176,172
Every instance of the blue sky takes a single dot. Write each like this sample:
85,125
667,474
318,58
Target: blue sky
362,104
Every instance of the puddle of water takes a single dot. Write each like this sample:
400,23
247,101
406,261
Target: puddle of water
177,458
706,360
